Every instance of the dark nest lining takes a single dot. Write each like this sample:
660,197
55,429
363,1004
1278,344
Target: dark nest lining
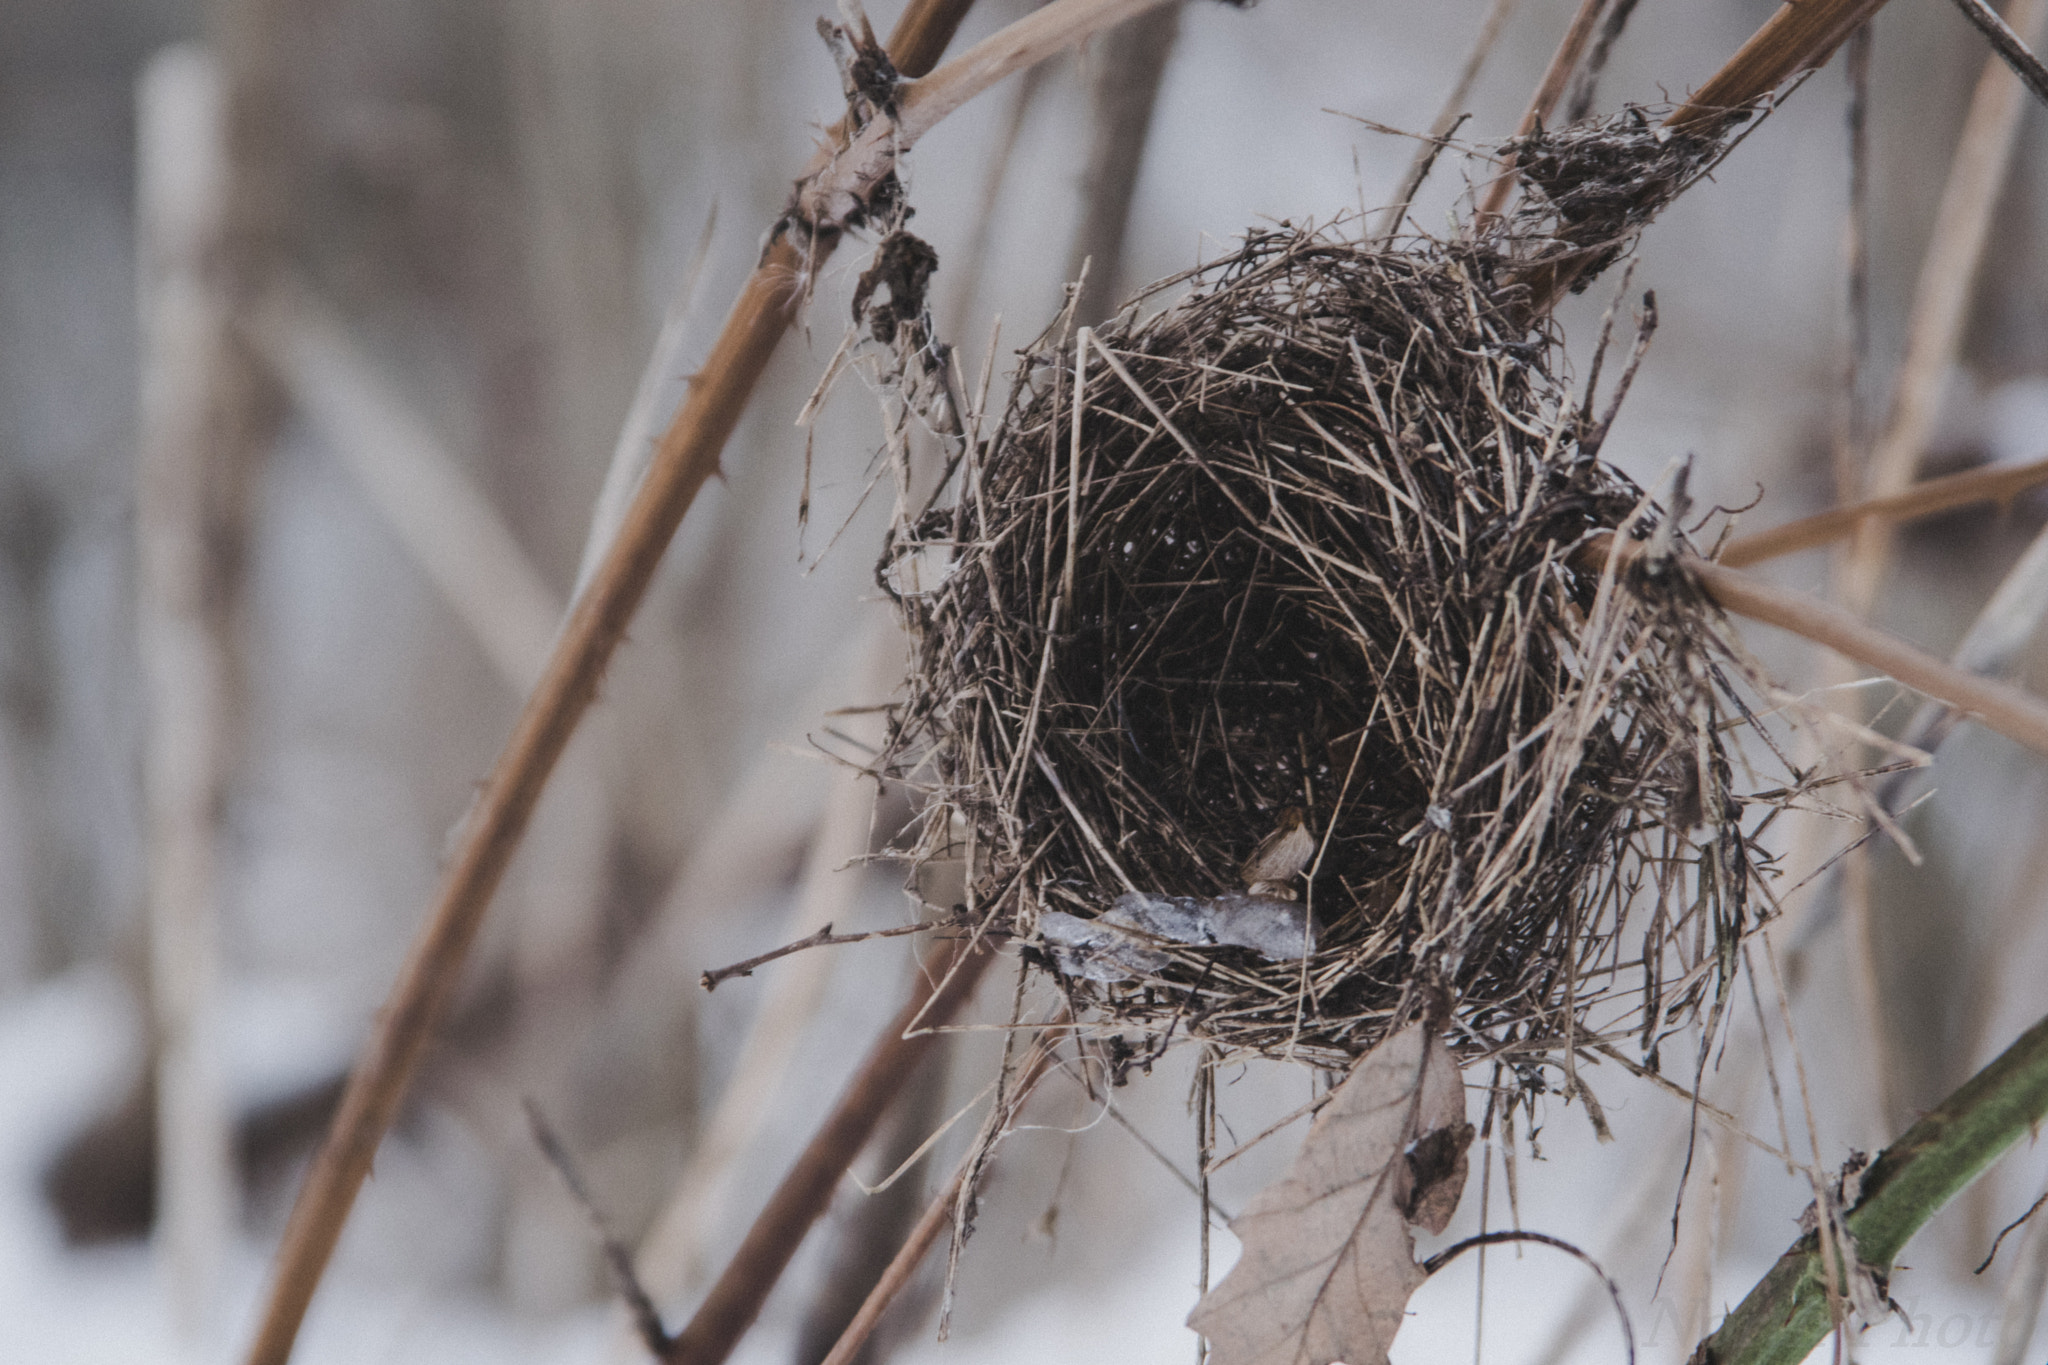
1314,551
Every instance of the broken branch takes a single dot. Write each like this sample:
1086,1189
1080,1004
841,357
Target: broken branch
824,938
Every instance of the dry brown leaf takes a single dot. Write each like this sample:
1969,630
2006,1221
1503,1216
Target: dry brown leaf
1329,1255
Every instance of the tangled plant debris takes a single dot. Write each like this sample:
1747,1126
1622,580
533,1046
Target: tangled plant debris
1263,678
1589,188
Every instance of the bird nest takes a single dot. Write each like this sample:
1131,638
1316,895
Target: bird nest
1272,680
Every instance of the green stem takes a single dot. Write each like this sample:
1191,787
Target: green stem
1787,1314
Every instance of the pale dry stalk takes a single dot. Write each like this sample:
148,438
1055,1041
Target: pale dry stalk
2008,44
1571,50
195,458
1948,275
1448,115
449,528
436,511
493,828
1125,90
661,387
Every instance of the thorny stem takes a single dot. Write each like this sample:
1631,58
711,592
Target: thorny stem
1786,1314
687,457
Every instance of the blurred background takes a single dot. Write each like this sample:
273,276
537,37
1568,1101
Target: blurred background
248,682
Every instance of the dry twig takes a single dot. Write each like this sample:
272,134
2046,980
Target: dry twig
824,938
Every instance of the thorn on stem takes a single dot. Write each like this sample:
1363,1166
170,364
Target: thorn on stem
646,1317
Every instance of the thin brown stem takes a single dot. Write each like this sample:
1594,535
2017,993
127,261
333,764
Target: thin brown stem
1921,500
938,1215
618,1260
687,457
1125,93
199,451
824,938
806,1191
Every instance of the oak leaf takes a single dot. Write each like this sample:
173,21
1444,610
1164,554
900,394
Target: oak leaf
1329,1250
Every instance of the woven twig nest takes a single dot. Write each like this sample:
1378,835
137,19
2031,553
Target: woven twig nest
1278,697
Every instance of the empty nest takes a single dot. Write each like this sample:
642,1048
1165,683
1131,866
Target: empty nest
1301,617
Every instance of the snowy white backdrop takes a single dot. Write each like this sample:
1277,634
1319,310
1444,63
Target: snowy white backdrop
502,201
